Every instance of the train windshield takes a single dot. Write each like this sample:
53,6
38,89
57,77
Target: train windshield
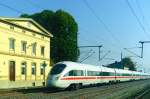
58,68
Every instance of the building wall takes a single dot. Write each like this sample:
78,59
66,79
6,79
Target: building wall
7,55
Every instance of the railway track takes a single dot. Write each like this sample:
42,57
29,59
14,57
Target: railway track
99,93
140,96
86,93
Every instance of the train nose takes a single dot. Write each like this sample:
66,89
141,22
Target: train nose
52,80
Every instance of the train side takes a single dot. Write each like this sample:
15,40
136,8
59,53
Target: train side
75,75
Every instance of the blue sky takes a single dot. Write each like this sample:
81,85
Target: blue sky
124,29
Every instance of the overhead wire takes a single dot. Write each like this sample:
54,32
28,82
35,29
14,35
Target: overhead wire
132,52
90,54
11,8
101,38
138,20
142,14
85,54
101,21
109,44
104,25
34,4
105,55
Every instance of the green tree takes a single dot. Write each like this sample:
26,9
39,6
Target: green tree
64,28
44,18
127,62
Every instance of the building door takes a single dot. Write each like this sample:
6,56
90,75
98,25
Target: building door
12,70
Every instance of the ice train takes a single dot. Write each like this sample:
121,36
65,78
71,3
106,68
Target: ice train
75,75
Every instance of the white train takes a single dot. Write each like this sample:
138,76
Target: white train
75,75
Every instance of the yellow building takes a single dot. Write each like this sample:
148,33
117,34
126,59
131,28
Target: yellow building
24,53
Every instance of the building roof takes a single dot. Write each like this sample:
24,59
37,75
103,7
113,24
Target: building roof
13,20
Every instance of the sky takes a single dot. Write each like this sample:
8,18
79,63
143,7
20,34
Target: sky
115,24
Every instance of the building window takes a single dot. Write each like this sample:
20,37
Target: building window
12,27
33,69
42,50
23,68
34,48
23,46
12,43
42,69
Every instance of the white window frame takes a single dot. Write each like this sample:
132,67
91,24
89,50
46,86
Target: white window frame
34,48
11,43
25,67
23,47
33,69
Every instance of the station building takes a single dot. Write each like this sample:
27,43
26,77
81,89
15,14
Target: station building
24,53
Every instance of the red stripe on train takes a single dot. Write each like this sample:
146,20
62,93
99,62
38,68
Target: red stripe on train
78,78
103,77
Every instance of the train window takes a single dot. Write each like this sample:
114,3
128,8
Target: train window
71,73
98,73
118,74
76,73
58,68
105,73
93,73
80,73
90,73
123,74
111,74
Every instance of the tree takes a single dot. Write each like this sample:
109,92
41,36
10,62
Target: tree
127,62
64,28
44,18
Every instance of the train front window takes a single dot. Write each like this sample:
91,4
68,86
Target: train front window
57,69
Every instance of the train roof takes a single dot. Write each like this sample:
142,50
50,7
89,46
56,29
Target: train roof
86,66
96,67
75,64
